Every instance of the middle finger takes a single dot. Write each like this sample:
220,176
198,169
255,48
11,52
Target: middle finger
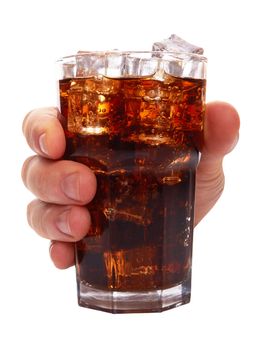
60,182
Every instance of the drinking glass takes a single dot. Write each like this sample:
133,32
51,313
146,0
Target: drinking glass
134,118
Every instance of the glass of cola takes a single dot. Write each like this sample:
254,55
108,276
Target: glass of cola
134,118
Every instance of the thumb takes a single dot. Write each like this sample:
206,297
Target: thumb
221,133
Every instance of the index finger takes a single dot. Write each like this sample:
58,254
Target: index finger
44,132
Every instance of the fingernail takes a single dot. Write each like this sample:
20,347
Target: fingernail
62,222
42,143
70,186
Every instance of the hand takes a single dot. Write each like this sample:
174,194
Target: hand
64,187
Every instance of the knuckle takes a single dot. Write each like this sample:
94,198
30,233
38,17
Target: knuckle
35,177
28,129
25,122
38,216
30,209
41,186
33,213
35,123
220,185
26,169
43,220
215,185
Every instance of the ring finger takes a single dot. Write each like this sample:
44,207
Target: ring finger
58,222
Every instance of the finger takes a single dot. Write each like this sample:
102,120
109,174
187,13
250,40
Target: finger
44,132
56,222
220,137
60,182
62,254
220,130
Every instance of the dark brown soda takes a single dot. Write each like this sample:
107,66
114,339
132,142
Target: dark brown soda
138,136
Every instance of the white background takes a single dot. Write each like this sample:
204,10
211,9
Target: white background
38,307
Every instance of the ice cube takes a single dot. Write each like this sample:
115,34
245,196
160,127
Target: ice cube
89,64
176,44
127,214
183,59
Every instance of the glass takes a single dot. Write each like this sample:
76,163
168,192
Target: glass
135,118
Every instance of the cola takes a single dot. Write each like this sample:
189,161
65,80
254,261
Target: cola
139,136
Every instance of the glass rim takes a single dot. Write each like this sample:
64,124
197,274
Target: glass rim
173,54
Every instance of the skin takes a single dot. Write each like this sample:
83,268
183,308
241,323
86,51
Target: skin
62,188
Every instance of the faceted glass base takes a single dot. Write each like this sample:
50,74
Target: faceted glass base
125,302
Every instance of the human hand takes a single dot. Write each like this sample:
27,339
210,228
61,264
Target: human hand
63,187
